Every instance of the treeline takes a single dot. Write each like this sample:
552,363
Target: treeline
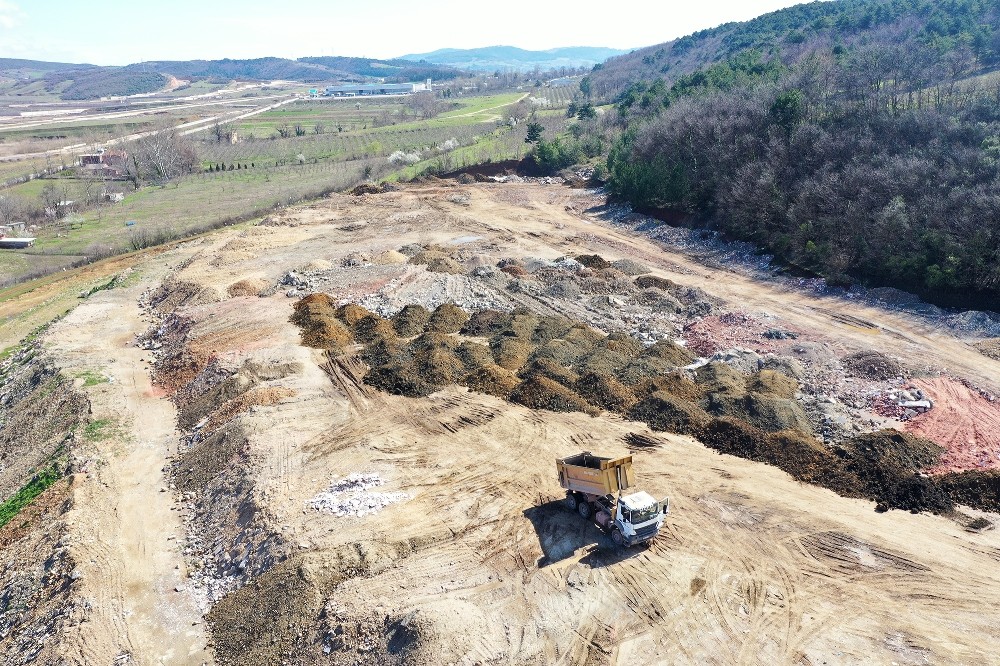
970,26
877,164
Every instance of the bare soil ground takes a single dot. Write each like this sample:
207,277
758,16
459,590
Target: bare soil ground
481,563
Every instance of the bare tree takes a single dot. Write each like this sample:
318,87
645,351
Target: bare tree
423,104
160,157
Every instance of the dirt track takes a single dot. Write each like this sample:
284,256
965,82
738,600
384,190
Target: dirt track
482,564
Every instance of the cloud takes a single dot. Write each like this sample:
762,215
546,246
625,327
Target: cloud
10,14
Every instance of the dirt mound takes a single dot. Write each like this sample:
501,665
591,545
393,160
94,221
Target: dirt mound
717,377
411,320
675,383
368,188
251,287
474,355
772,383
604,362
659,301
447,318
872,365
644,368
263,396
311,307
990,348
663,411
735,437
437,262
539,392
325,333
485,323
583,335
351,314
605,392
493,380
594,261
399,379
630,267
550,369
807,460
439,366
766,412
522,324
373,327
384,351
510,353
670,352
389,257
560,351
624,344
663,284
551,328
886,464
980,490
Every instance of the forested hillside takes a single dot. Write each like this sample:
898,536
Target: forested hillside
859,139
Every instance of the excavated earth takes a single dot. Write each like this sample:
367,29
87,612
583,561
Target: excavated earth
328,438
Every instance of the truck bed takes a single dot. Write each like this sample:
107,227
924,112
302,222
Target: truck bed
595,475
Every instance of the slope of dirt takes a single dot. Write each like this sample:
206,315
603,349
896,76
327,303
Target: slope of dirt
462,551
964,422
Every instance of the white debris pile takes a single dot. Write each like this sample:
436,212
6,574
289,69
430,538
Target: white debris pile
352,496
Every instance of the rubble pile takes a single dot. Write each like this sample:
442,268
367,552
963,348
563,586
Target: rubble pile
352,496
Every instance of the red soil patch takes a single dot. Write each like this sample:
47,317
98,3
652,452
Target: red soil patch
965,423
734,329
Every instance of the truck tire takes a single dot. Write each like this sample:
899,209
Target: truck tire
617,537
584,509
572,501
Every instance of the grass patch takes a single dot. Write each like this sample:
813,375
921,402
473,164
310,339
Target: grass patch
98,430
91,378
23,497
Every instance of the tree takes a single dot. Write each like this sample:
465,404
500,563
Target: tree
534,133
586,112
160,157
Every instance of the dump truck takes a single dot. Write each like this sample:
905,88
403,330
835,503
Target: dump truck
594,489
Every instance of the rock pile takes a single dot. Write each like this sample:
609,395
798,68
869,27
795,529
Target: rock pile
352,496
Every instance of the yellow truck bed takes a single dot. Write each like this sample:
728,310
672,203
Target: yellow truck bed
594,475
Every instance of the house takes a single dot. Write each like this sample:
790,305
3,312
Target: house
104,164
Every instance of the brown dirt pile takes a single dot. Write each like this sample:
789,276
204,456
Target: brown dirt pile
721,378
547,368
767,412
605,392
474,355
539,392
251,287
372,327
670,352
630,267
436,262
664,284
510,353
551,328
872,365
264,396
624,344
989,348
492,380
665,412
594,261
411,321
772,383
447,318
486,323
675,383
978,489
351,314
315,315
886,464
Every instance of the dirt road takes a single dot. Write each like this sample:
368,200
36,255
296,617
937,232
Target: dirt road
124,530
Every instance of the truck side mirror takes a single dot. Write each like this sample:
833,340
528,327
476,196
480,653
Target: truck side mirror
665,505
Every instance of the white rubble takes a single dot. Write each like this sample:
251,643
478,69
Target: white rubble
352,496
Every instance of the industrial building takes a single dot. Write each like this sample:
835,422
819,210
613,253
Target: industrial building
363,89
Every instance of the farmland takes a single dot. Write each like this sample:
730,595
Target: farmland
340,142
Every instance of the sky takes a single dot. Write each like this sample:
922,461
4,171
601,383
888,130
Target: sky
116,32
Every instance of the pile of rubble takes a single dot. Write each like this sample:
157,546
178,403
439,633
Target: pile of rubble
352,496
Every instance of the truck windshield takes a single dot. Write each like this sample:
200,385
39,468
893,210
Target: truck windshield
640,516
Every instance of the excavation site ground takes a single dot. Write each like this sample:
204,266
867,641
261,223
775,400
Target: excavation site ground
329,438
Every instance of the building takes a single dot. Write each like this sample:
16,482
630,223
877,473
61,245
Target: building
367,89
104,164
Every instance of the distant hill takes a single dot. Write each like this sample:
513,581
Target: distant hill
81,82
512,58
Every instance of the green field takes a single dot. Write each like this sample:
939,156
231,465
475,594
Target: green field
278,172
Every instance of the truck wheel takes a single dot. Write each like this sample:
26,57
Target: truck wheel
617,537
572,501
584,509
